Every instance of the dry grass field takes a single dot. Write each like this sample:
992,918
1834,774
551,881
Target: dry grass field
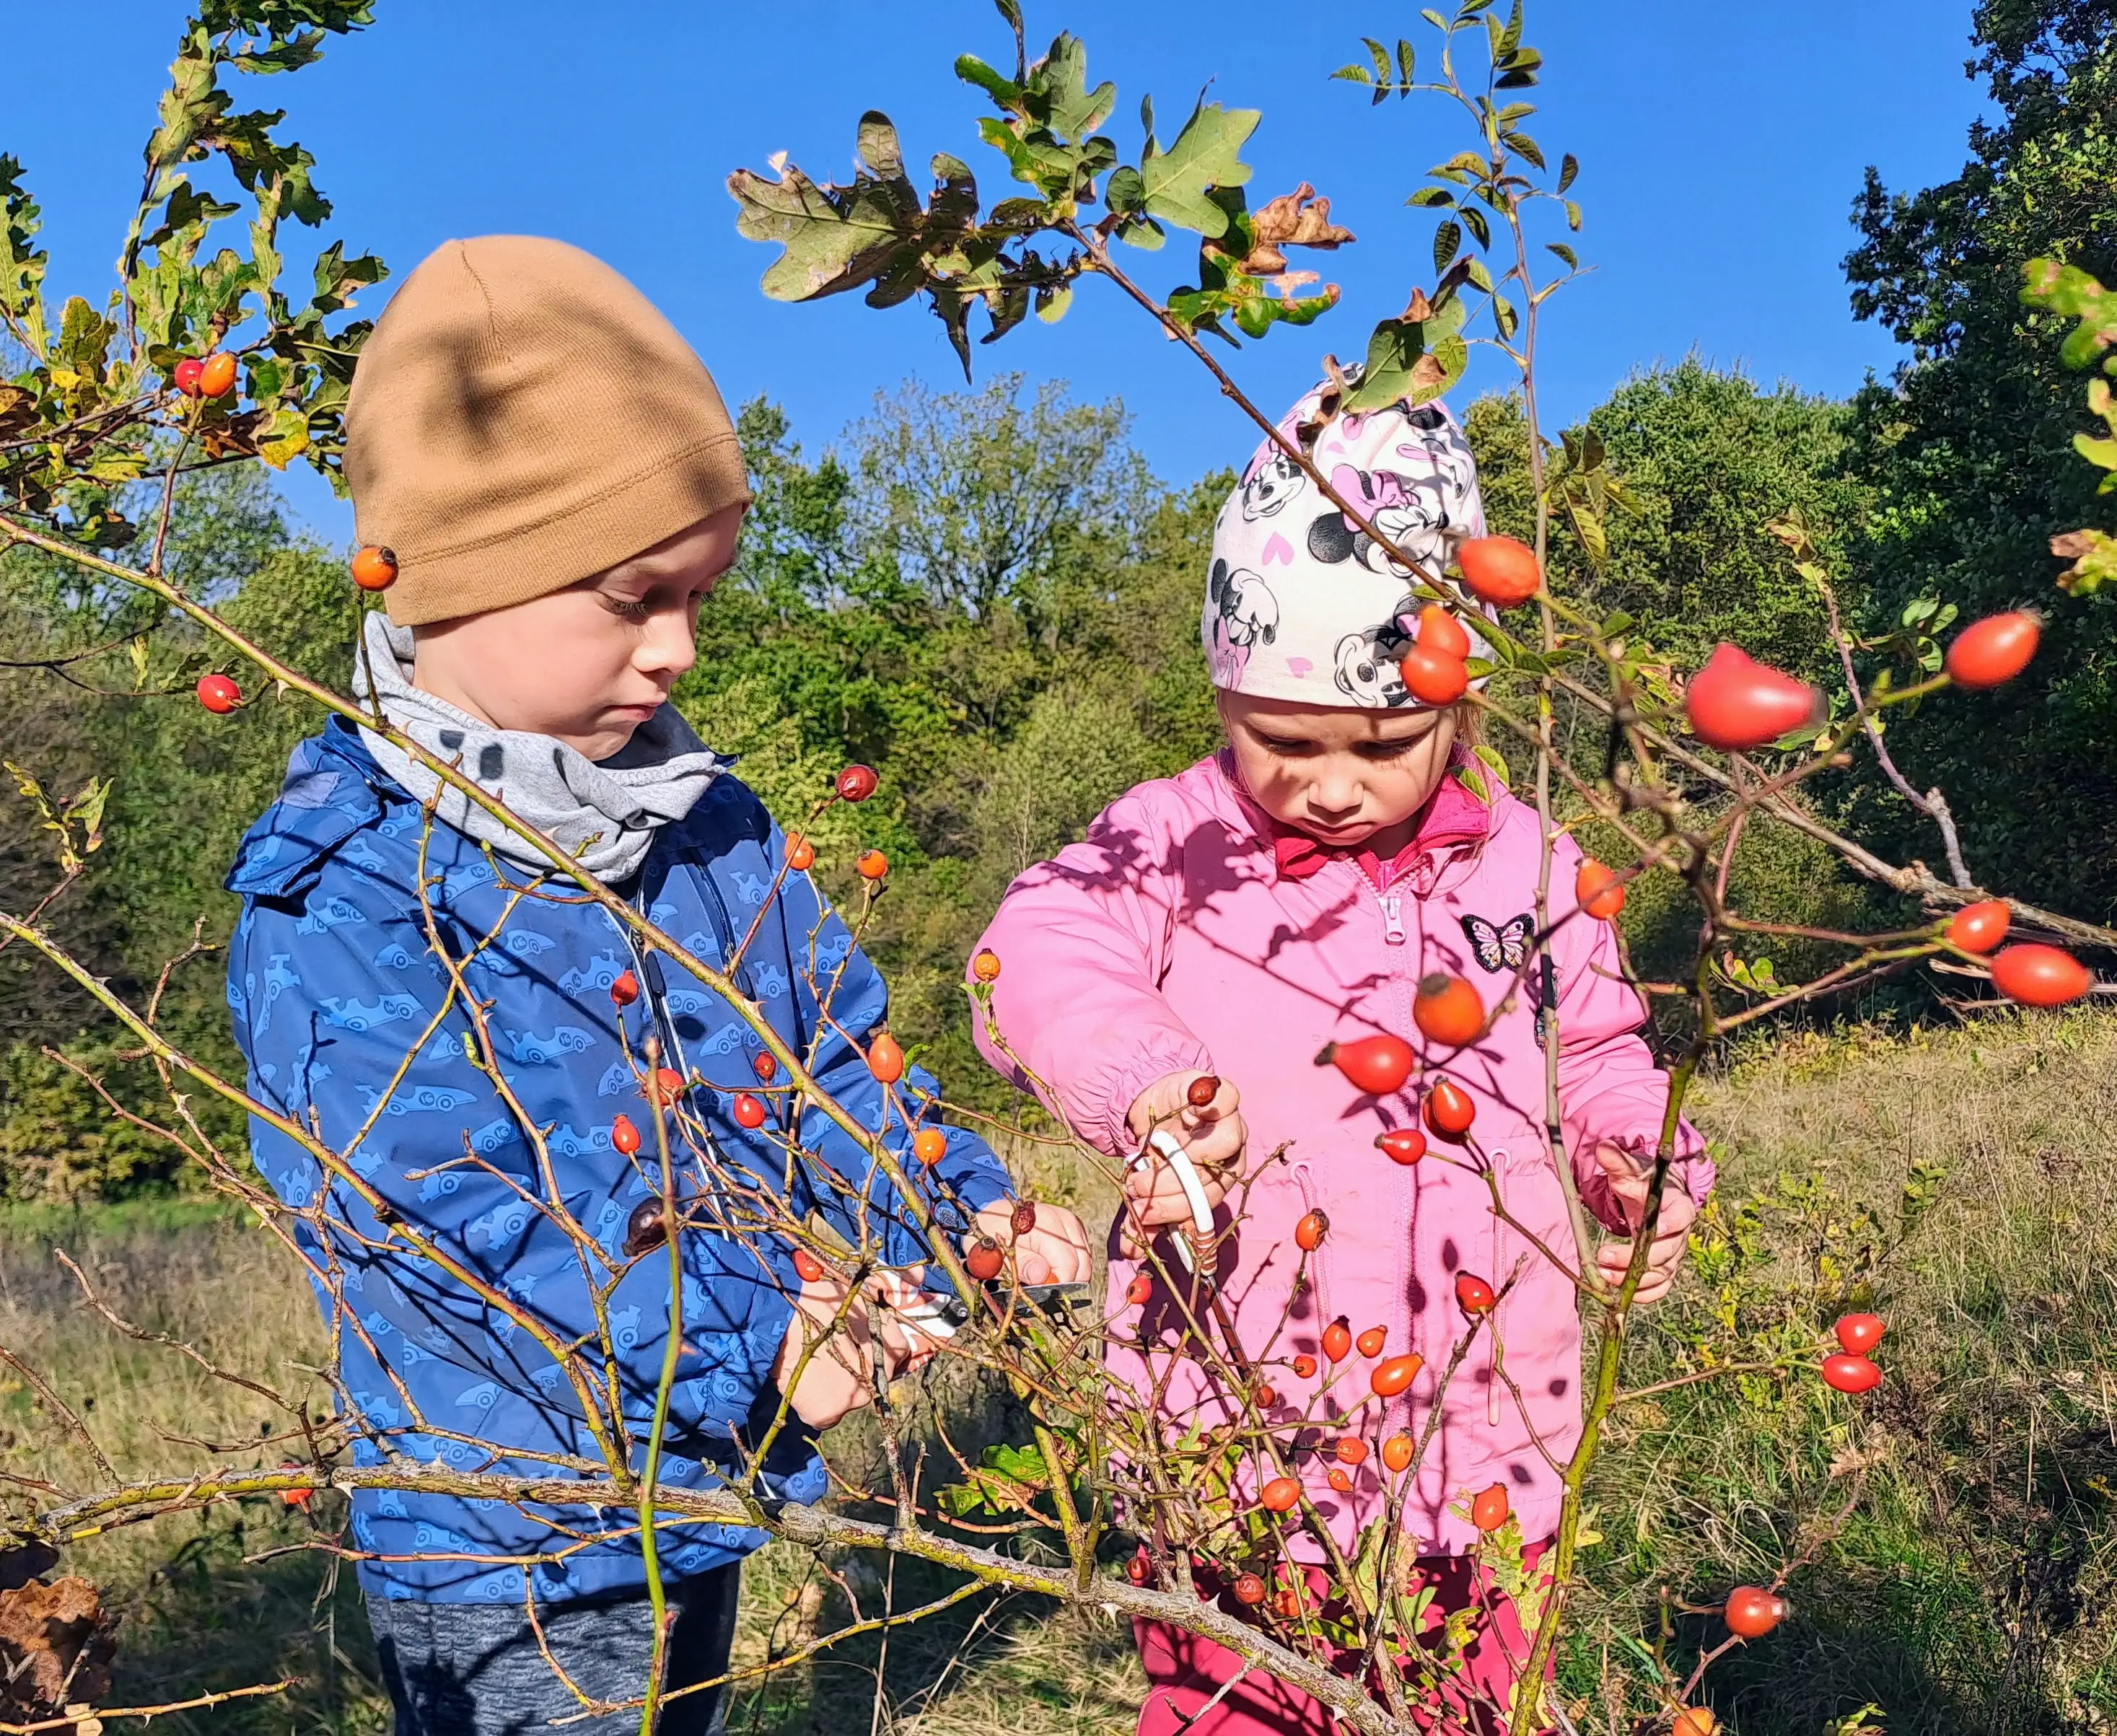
1964,1177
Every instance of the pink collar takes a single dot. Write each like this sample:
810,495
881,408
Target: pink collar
1452,815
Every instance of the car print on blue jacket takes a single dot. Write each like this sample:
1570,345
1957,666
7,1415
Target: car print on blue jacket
351,1025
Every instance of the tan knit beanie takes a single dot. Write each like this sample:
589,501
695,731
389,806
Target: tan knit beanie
521,417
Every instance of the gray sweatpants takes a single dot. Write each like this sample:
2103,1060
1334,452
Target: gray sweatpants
474,1670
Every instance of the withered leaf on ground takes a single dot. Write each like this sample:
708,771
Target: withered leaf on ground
57,1641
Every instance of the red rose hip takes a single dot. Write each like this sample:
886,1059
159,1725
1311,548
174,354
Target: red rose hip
1991,651
1736,702
1374,1064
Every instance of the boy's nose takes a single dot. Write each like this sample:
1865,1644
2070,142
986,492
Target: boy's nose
669,646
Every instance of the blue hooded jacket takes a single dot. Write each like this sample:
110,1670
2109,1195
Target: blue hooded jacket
333,981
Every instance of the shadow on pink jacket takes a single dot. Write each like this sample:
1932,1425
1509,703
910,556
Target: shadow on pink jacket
1170,939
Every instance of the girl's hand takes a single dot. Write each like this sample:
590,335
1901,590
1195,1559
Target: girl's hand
1628,1183
1055,1252
840,1378
1212,1138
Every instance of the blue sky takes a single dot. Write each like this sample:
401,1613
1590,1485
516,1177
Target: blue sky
1721,147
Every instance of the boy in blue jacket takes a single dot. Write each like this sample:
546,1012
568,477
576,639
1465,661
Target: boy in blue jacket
559,486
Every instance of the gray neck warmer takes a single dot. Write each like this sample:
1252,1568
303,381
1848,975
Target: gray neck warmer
604,813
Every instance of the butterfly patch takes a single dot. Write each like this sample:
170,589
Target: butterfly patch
1505,948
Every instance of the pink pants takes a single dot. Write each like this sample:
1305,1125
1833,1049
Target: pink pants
1185,1672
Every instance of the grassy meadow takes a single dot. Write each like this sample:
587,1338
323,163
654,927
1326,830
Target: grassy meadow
1961,1178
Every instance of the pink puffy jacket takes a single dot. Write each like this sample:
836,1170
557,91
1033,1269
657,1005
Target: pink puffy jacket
1170,939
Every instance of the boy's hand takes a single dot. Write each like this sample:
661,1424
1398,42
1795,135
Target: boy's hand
840,1377
1628,1177
1212,1138
1055,1252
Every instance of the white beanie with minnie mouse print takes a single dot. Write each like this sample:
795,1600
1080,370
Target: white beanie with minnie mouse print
1303,605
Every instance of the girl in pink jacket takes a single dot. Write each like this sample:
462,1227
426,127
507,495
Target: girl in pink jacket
1291,892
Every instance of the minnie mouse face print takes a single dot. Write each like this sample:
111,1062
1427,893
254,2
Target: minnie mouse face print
1270,486
1241,612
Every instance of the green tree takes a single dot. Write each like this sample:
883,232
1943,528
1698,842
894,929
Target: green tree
1970,447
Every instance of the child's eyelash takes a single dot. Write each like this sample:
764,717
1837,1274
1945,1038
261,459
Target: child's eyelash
630,611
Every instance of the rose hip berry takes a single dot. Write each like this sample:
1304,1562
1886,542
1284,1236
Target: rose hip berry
1024,1217
872,864
885,1059
749,1111
1440,631
1338,1340
1139,1290
1433,678
625,989
929,1145
808,1266
1736,702
219,694
624,1136
1474,1296
801,853
984,1260
184,375
1489,1511
1598,890
1500,571
856,783
1979,927
375,568
1405,1145
216,377
2039,975
1447,1010
1249,1589
1201,1091
1396,1452
1339,1480
646,1228
1850,1374
1449,1109
1265,1395
1309,1233
1374,1064
1304,1367
1992,652
1753,1612
1391,1377
1370,1342
1859,1333
665,1085
1351,1450
1279,1495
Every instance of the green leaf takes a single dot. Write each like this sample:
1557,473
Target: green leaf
1413,357
1447,240
1206,155
1569,167
1573,216
1491,759
1052,301
1572,258
834,237
285,436
1058,91
1353,73
1407,59
1432,195
1001,89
